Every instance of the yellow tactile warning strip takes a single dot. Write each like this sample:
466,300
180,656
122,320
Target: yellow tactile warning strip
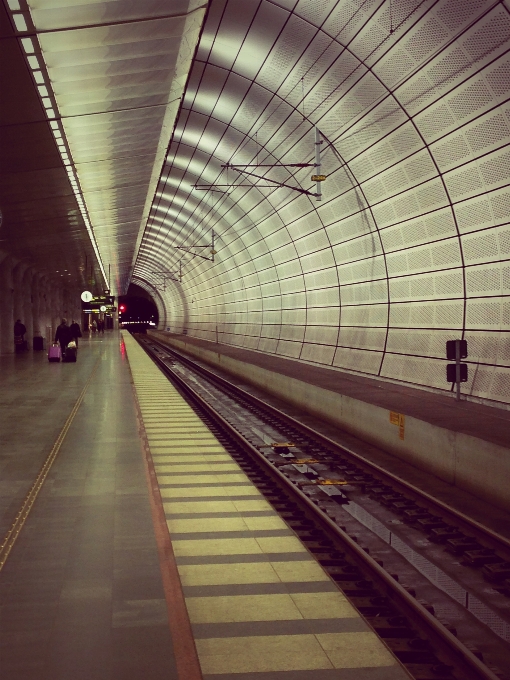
261,608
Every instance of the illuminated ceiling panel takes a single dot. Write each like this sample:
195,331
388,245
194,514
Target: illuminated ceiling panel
116,72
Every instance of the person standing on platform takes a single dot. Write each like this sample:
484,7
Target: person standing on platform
19,335
75,331
93,326
100,326
63,336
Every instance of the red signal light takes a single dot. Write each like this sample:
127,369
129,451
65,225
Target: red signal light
122,308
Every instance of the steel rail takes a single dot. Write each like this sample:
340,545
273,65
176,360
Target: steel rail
466,662
476,527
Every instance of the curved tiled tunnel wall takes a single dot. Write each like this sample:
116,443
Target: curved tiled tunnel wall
410,246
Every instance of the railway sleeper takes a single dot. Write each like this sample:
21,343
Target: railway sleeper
437,671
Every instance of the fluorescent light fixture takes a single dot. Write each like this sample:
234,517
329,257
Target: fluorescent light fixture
20,23
28,45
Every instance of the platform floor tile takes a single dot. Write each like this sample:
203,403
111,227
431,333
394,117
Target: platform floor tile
260,607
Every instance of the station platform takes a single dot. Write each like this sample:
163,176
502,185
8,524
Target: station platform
465,444
81,592
147,552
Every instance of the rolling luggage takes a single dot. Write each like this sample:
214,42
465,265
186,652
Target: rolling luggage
71,352
54,353
38,343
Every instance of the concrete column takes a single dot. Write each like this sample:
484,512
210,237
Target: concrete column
18,274
6,306
2,258
72,304
28,304
56,306
46,319
38,326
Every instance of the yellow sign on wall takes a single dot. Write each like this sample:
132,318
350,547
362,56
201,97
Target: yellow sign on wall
398,419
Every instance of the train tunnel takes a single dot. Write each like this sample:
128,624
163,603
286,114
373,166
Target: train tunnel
308,200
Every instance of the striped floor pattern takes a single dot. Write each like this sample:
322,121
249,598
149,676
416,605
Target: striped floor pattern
260,607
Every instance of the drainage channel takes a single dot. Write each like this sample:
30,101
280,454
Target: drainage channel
335,509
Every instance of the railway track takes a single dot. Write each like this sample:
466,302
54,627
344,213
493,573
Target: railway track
434,584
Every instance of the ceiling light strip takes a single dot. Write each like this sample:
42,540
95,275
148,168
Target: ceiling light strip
35,60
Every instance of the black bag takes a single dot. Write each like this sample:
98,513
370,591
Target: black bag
70,354
19,345
38,343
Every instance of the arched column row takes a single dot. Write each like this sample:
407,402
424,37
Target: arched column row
40,301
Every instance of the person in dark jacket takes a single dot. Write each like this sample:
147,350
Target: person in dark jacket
20,329
75,331
63,335
19,335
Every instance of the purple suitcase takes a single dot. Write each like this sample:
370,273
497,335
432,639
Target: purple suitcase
54,353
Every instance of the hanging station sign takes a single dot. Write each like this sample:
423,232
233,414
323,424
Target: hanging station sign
100,303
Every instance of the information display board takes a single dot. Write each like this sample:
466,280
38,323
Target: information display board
95,304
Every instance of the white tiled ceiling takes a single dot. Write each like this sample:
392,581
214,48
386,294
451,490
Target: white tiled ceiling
117,70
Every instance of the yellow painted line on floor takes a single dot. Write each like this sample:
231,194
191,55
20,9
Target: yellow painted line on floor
208,491
179,507
184,445
239,523
181,435
204,450
188,439
239,546
199,506
240,573
269,607
189,480
192,458
261,654
293,653
202,440
193,467
176,420
163,421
